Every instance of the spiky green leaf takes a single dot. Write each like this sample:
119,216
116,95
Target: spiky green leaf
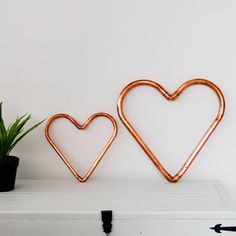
23,135
11,135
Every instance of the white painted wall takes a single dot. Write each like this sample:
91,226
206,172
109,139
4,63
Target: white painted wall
75,57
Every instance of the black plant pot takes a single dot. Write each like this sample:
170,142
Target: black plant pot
8,167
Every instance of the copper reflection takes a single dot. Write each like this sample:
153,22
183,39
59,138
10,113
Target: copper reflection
81,127
171,97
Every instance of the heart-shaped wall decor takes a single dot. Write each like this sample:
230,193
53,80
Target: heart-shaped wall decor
81,127
171,97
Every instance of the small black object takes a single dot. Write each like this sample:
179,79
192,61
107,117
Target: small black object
107,219
8,167
218,228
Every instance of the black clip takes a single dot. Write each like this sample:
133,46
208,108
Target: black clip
106,219
218,228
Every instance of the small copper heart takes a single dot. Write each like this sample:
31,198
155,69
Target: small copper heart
171,97
79,126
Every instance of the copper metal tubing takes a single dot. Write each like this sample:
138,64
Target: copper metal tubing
171,97
81,127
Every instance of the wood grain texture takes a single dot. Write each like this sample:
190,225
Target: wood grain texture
128,199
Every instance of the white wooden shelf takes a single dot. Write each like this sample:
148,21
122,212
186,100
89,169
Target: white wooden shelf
139,207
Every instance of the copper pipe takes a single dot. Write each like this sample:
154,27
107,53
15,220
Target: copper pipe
81,127
171,97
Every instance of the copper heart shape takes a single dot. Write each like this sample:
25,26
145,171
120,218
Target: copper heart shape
171,97
81,127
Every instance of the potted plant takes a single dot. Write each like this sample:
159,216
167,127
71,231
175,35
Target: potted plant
9,137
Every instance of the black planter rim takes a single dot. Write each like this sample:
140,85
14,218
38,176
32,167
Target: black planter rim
10,160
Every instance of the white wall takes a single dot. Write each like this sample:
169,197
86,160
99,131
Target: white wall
75,57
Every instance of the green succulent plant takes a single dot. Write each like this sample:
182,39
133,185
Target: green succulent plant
11,135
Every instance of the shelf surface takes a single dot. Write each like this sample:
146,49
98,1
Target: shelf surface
127,199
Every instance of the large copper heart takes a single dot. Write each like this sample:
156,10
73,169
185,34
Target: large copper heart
79,126
171,97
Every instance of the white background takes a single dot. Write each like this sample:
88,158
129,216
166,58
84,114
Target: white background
76,56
